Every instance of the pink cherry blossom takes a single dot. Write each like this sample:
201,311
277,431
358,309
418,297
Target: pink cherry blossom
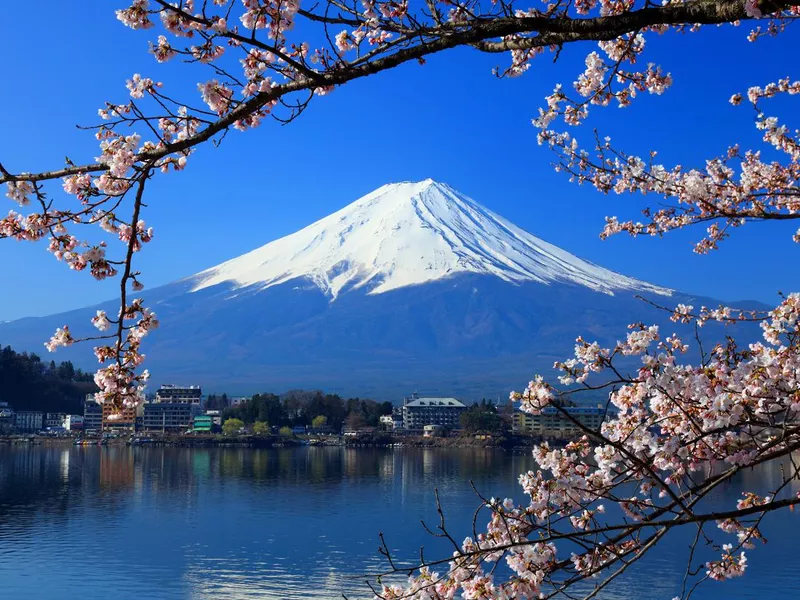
136,17
101,321
62,337
138,85
216,95
19,192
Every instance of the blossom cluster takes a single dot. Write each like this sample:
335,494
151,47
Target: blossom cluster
669,422
728,192
119,382
19,191
119,155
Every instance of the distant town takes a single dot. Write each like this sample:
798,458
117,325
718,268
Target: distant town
183,410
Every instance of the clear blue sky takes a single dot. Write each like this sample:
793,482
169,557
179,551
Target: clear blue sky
450,120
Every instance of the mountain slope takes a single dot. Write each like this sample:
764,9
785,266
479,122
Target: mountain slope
411,287
408,234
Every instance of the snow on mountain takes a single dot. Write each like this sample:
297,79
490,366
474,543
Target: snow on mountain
410,233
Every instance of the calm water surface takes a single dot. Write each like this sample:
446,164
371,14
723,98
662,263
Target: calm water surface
125,523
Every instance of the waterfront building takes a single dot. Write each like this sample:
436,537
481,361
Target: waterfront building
179,394
73,423
28,420
6,417
173,409
418,412
169,416
117,419
432,430
392,422
203,423
54,419
92,414
553,423
216,416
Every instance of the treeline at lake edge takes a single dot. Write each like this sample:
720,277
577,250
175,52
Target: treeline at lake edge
318,410
29,383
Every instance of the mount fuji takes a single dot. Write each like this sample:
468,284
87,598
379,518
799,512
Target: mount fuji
413,286
405,234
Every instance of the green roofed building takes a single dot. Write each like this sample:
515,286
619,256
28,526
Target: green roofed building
203,423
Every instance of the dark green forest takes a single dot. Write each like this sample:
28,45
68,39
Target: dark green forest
484,417
29,383
300,407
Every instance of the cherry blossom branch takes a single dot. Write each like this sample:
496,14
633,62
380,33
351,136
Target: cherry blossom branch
556,30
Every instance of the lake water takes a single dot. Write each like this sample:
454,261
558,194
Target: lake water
211,524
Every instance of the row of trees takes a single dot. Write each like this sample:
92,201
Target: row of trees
317,410
233,426
217,402
310,409
484,416
29,383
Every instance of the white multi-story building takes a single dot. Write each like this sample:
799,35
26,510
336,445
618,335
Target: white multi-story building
391,422
180,394
169,416
418,412
173,409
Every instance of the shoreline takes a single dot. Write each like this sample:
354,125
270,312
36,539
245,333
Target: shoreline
271,441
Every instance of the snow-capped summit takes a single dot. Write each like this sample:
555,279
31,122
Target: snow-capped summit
411,233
